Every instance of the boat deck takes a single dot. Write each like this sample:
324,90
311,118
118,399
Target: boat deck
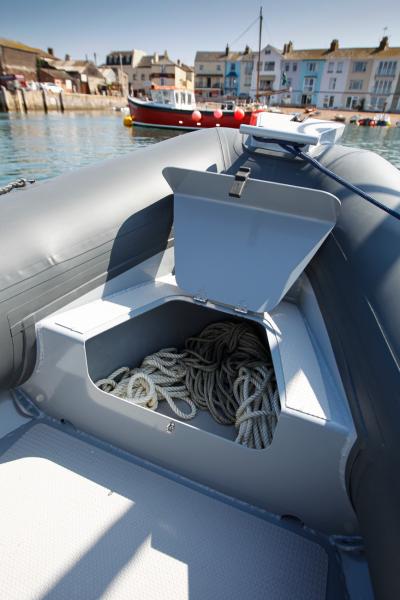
84,522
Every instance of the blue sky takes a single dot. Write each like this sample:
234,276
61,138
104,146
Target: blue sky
88,26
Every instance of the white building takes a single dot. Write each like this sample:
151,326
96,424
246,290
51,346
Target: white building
270,74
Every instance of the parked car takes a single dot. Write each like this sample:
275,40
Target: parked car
51,87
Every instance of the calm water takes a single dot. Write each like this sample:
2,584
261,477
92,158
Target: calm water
41,146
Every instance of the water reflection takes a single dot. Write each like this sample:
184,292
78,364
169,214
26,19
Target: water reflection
385,141
41,146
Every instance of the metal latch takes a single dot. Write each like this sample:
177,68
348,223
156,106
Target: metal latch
241,178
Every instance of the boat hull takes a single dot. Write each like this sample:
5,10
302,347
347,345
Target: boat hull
146,114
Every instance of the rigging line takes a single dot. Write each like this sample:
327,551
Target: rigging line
243,32
296,151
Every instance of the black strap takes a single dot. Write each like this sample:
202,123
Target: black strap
241,178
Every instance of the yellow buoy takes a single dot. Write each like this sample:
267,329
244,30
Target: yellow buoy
128,121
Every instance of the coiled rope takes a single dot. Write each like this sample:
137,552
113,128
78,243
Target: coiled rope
226,370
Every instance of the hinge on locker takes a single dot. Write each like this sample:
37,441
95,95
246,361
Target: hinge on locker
200,299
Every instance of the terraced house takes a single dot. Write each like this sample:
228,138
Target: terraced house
344,78
223,73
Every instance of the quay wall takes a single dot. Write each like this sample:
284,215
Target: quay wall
29,101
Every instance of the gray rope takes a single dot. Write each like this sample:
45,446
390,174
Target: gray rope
226,370
13,185
230,374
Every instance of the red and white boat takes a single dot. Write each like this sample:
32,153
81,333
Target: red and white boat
172,108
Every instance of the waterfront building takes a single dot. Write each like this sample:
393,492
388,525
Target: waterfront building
19,61
246,64
223,73
87,79
59,77
126,61
160,70
343,78
396,96
209,73
270,74
117,81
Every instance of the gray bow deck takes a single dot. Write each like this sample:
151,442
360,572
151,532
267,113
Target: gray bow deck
85,523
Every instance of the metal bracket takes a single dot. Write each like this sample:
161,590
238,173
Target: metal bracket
200,299
241,178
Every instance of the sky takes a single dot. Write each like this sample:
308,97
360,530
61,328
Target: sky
85,27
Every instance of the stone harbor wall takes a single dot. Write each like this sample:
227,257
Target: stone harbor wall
27,101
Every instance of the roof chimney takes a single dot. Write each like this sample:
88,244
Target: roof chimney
384,43
246,50
155,57
334,46
284,49
50,51
178,62
289,47
67,57
227,50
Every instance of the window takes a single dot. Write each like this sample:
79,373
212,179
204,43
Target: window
332,83
142,77
190,98
359,67
387,67
329,101
232,66
352,102
287,67
133,76
339,67
382,86
294,67
267,52
355,84
312,67
330,67
308,84
378,103
201,67
248,68
269,66
218,67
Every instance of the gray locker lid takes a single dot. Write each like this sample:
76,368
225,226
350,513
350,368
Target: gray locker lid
247,251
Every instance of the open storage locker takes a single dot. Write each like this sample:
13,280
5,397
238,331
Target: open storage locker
236,256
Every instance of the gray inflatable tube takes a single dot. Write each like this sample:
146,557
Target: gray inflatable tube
64,237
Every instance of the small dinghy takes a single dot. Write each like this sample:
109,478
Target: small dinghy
200,372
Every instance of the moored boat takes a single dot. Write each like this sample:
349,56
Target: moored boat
173,108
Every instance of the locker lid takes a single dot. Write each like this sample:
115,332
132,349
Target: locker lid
247,249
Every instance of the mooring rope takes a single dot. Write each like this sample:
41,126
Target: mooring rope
161,376
226,370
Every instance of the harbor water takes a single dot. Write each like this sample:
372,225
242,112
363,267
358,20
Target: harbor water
40,146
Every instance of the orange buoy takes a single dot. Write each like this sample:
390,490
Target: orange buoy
196,115
239,114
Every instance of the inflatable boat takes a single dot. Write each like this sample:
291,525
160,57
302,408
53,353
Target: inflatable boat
275,236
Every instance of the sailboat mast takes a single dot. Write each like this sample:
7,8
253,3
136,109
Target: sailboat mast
259,55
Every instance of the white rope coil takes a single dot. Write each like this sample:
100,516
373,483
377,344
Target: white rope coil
225,370
161,376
